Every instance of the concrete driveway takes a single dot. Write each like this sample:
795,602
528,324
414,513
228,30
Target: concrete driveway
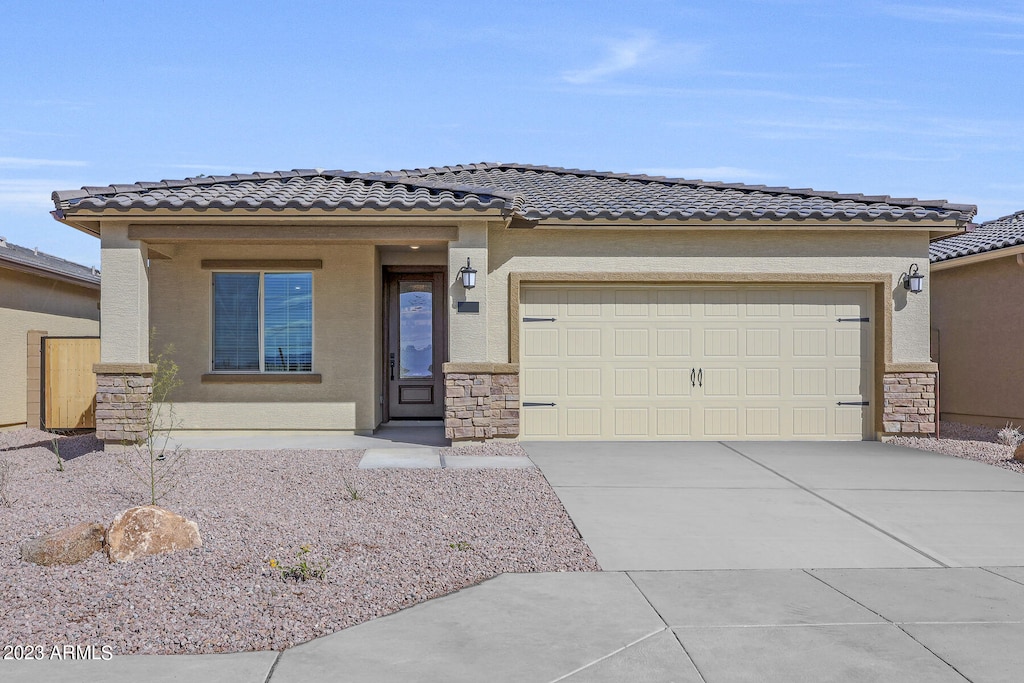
771,505
724,562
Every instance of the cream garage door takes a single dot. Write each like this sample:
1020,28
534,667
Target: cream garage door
638,362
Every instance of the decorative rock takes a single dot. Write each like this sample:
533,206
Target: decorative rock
67,546
149,530
1019,453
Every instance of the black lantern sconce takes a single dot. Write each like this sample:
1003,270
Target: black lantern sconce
913,280
468,275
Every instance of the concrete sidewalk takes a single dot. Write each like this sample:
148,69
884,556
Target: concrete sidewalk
724,562
907,625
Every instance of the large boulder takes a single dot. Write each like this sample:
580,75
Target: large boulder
149,530
67,546
1018,453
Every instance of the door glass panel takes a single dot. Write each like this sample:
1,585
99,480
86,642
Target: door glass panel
416,330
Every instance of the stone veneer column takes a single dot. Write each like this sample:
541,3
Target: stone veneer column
123,392
481,401
909,403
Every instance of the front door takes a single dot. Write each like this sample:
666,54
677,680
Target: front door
416,344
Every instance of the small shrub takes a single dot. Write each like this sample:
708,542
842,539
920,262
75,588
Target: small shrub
156,463
460,545
1010,436
55,443
351,489
6,475
302,570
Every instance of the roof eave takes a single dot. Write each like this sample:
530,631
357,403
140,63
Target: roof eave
971,259
88,227
49,273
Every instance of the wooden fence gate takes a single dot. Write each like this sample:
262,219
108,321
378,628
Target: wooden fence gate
68,399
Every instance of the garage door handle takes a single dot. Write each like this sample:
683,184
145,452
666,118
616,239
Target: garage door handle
700,377
528,404
693,377
538,320
853,403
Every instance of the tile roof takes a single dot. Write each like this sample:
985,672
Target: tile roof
34,260
529,192
572,193
1000,233
300,189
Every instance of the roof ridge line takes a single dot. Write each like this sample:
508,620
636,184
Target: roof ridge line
1009,216
743,187
384,177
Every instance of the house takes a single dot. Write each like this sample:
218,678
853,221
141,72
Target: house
517,301
977,299
40,295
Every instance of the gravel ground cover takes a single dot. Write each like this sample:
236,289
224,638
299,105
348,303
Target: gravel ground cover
970,442
509,448
409,535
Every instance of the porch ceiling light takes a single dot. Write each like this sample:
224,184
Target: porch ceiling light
913,280
468,275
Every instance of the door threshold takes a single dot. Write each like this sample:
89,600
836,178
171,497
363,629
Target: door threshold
400,423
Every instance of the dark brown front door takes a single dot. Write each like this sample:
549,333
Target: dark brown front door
416,344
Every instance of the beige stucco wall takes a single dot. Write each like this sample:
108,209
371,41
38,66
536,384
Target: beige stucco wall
31,302
977,311
125,290
346,335
716,251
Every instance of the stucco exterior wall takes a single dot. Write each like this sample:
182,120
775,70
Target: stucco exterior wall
31,302
346,336
976,310
773,252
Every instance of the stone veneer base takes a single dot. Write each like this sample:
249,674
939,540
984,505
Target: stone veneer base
123,393
908,405
481,401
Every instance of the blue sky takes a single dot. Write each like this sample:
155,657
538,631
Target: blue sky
906,99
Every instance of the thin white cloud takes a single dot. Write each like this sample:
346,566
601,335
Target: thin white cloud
910,158
23,162
636,91
726,173
30,194
938,13
631,54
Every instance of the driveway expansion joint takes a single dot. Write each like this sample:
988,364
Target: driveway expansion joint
609,655
838,507
273,667
668,626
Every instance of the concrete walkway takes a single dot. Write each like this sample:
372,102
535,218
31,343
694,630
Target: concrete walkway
724,562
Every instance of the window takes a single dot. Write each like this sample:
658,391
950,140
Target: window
263,322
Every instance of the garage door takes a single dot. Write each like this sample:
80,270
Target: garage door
687,362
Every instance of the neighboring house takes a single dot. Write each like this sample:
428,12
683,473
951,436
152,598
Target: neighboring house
39,295
978,322
605,306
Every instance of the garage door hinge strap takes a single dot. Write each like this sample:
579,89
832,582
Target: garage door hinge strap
527,404
538,320
854,320
853,403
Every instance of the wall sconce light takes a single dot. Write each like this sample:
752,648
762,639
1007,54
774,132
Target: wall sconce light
913,280
468,275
